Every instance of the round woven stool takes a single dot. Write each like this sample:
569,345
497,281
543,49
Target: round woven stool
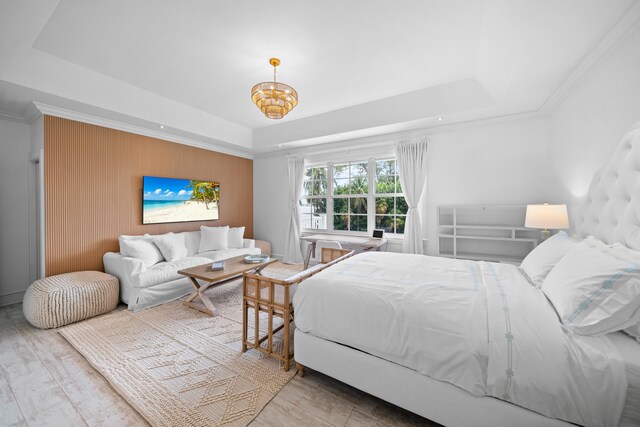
66,298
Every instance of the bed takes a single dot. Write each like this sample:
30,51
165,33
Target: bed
475,343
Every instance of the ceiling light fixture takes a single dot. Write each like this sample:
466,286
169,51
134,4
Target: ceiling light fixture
274,99
441,118
161,126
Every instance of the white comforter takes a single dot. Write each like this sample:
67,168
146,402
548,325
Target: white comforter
480,326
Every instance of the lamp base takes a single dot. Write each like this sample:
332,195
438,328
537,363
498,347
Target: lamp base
546,234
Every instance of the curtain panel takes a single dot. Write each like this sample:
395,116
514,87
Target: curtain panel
295,170
411,158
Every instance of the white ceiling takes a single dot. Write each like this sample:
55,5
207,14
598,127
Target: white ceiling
357,65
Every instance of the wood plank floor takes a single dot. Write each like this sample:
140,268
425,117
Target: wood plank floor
46,382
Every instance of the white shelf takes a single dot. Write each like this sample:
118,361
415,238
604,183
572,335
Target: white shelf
480,232
461,236
486,227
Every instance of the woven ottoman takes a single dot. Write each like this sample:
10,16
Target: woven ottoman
66,298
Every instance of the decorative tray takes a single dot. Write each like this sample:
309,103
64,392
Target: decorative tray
256,259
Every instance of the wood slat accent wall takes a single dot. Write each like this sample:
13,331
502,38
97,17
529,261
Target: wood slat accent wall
93,189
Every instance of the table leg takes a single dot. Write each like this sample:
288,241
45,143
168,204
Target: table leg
311,247
208,308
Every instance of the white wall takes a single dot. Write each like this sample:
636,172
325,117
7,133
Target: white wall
16,173
270,205
588,124
493,164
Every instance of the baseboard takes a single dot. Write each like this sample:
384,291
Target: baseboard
13,298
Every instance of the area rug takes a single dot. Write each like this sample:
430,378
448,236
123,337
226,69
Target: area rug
179,367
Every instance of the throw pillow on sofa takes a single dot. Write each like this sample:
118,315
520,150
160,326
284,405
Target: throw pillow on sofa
143,249
213,238
171,245
236,238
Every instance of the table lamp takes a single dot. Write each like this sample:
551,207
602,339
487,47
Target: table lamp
545,217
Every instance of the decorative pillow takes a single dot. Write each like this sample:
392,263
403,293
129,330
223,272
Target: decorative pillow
213,238
123,246
634,331
545,256
236,236
144,249
171,245
595,288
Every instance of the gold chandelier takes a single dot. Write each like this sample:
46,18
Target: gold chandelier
274,99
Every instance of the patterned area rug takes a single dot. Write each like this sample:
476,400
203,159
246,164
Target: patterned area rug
180,367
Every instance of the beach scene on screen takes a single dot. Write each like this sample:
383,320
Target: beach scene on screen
179,200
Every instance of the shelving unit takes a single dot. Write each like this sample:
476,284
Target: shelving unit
485,233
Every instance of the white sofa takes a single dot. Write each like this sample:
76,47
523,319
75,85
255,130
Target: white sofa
142,287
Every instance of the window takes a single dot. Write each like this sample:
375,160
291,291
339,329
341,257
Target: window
391,207
355,196
313,204
350,189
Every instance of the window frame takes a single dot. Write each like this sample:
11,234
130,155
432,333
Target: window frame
393,196
325,196
370,197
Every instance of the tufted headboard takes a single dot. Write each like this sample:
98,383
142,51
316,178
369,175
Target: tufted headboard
611,210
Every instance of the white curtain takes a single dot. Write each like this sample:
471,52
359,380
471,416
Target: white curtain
411,158
292,253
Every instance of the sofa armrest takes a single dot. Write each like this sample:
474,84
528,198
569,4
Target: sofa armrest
124,268
249,243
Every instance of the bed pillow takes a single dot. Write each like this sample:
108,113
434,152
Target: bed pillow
235,238
171,245
545,256
141,248
213,238
595,288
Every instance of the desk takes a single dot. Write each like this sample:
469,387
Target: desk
364,243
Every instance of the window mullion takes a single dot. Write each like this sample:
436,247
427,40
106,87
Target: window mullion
330,197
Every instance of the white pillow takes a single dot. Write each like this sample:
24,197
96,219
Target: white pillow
143,249
122,242
545,256
595,288
213,238
634,331
236,236
171,245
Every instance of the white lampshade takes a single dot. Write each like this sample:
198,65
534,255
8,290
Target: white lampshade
553,217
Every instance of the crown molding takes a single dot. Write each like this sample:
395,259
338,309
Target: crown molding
40,109
11,117
385,142
626,25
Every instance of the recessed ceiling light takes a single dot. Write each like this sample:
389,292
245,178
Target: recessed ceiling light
440,118
279,145
161,126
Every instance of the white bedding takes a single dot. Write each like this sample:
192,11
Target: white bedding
629,349
480,326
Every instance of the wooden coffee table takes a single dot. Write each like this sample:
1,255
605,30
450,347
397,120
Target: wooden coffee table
232,267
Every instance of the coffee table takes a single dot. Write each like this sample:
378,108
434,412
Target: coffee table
233,267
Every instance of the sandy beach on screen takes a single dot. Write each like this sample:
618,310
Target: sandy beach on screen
189,211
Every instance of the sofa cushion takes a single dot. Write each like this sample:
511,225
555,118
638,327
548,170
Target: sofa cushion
213,238
223,254
192,242
171,245
166,271
235,238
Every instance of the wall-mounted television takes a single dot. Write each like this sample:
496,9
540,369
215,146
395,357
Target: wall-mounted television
179,200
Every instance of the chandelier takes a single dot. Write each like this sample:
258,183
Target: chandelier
274,99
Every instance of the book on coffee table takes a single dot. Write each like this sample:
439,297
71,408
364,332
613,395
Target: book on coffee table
218,265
